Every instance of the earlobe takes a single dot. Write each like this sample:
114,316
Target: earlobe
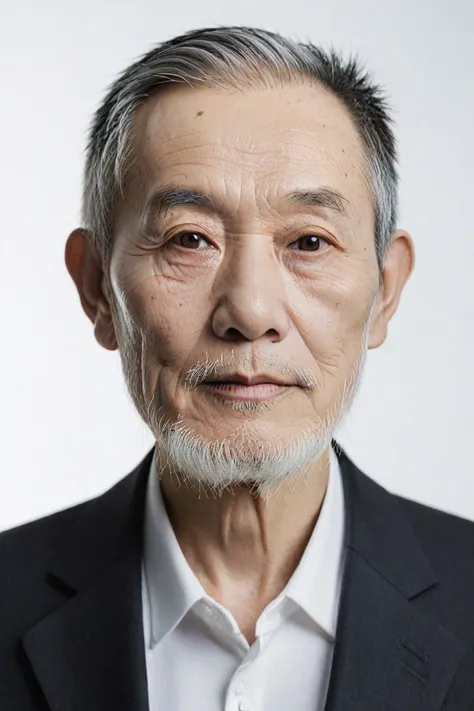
377,332
88,276
104,332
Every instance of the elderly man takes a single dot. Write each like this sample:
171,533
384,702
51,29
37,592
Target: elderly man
246,564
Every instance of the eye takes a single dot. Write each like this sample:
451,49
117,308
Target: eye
191,240
188,240
311,243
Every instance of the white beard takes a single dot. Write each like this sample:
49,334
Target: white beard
243,458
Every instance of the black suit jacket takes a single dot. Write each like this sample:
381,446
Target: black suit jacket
71,636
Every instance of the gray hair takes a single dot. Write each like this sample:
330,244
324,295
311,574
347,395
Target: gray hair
234,56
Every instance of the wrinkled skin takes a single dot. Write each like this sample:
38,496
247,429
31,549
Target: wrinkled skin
248,291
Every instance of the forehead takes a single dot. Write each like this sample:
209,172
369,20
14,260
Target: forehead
240,140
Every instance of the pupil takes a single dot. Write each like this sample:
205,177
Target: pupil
314,240
194,241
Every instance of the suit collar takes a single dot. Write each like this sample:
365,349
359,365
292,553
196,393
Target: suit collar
88,654
389,653
380,533
108,526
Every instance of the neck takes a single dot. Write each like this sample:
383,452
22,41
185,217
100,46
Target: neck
240,545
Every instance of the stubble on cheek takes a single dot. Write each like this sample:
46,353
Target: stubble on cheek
146,349
129,330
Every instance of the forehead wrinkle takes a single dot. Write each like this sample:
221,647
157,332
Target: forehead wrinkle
231,156
258,162
258,137
329,147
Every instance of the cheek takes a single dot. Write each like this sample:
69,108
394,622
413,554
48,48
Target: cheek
161,322
333,308
332,324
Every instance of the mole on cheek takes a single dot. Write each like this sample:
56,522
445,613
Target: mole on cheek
199,113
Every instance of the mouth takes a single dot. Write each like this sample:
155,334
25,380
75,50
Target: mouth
235,390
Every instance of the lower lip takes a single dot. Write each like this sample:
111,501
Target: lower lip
238,391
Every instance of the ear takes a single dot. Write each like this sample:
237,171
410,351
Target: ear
91,283
398,265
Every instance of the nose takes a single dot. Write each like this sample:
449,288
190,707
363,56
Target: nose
251,296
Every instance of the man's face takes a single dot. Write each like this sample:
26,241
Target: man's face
255,282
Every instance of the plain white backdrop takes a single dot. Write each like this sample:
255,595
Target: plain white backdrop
69,430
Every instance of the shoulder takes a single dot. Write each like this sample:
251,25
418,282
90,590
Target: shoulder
26,549
448,542
25,554
77,532
443,534
76,540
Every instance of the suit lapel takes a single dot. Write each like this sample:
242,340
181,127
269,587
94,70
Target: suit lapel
389,654
88,655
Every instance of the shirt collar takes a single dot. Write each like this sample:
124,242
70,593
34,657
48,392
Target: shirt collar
172,588
316,582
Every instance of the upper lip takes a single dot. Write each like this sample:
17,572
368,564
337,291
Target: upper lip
249,379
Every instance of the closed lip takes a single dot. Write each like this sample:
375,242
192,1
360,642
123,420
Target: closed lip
257,379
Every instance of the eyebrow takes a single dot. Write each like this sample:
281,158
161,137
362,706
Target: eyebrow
323,197
167,197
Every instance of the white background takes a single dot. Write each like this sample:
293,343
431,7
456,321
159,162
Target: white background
68,428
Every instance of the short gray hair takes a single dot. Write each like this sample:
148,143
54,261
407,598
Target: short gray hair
234,56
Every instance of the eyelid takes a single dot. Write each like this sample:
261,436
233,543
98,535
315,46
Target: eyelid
318,231
185,230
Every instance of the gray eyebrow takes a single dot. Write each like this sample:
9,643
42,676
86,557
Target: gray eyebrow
321,197
167,197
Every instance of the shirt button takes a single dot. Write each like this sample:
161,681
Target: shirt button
243,705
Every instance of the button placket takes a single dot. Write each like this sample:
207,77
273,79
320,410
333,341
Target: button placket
240,685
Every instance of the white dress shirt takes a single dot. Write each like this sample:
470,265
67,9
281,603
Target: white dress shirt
196,657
